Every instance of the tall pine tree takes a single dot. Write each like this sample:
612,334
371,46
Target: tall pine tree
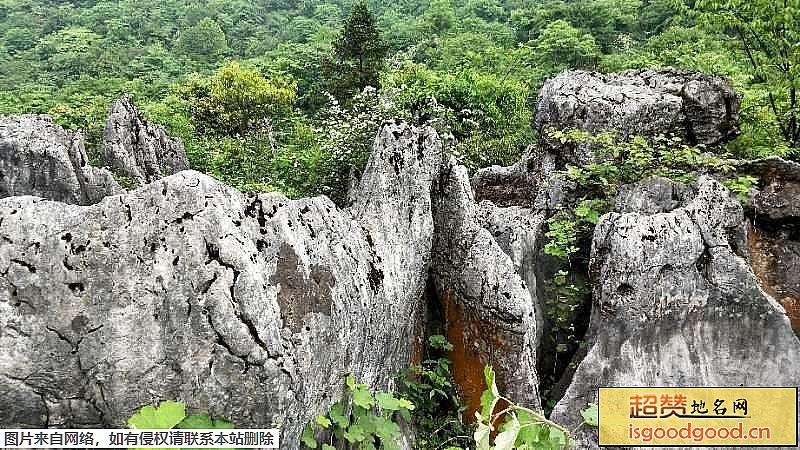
358,55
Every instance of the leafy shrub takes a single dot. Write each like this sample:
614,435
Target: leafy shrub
235,100
519,427
364,420
741,186
430,386
488,115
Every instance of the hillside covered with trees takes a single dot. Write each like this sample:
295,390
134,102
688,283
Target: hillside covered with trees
440,214
268,95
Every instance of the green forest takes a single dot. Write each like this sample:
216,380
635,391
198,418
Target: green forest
288,95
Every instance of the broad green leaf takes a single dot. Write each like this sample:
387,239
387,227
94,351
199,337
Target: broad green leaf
557,436
165,416
338,417
308,438
591,415
328,447
406,404
363,398
367,444
351,382
323,421
386,401
490,396
386,429
354,434
529,433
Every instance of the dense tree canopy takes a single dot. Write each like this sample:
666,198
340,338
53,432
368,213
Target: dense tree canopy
271,94
358,54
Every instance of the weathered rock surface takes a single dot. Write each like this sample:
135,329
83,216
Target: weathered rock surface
774,231
675,302
703,109
489,314
138,149
252,308
38,157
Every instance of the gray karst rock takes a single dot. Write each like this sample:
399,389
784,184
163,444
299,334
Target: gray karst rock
675,302
38,157
253,308
138,149
774,231
702,109
488,311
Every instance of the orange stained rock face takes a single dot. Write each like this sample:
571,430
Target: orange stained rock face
467,365
766,267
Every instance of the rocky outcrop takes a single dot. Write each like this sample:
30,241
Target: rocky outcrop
675,302
138,149
774,231
489,313
38,157
251,307
701,108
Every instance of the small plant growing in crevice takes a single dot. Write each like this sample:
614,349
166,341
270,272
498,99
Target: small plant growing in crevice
741,186
563,299
362,420
438,417
566,226
519,427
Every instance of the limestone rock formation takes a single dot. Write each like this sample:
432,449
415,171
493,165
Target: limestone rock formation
253,308
38,157
138,149
703,109
774,231
250,307
675,302
488,311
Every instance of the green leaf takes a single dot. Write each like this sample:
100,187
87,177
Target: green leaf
386,429
386,401
530,433
338,417
363,398
351,382
591,415
323,421
490,396
406,404
165,416
481,436
506,439
328,447
308,438
557,436
354,434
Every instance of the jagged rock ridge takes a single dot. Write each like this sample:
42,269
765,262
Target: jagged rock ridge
139,149
37,157
675,302
250,307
